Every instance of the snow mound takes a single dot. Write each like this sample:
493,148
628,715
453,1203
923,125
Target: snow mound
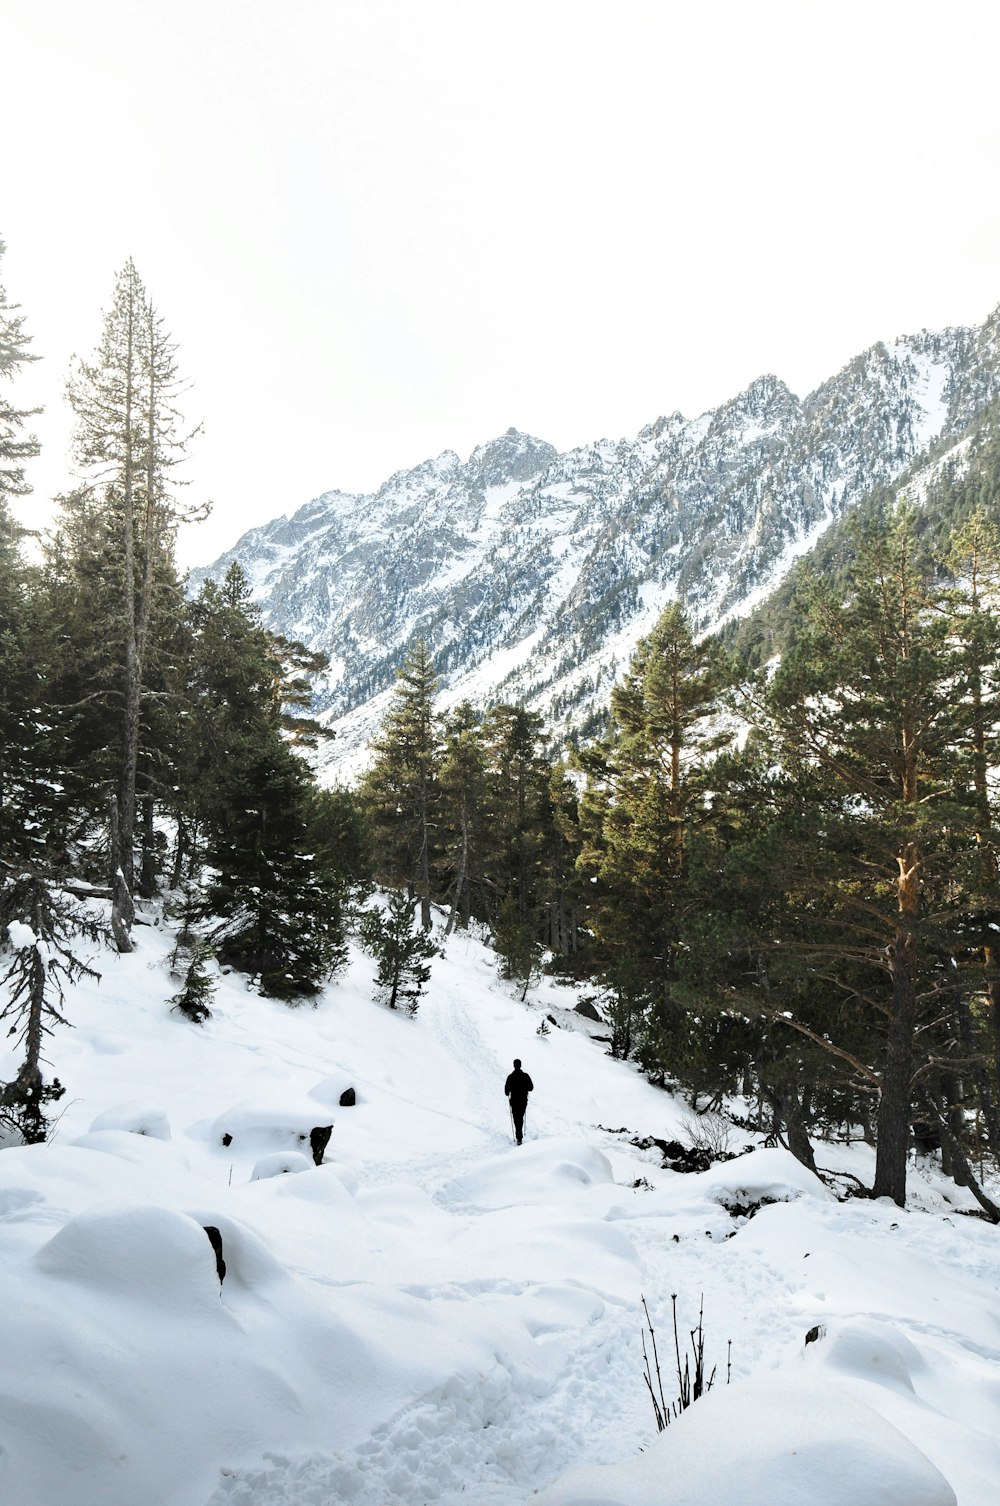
870,1351
150,1157
146,1254
329,1186
771,1175
330,1089
254,1124
551,1171
129,1369
279,1163
57,1181
775,1439
249,1263
137,1118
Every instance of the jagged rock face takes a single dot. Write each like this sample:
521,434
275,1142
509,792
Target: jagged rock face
532,574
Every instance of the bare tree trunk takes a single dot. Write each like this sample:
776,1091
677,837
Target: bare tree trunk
789,1109
124,821
122,908
980,1076
147,869
893,1120
961,1161
460,902
425,857
951,1089
180,849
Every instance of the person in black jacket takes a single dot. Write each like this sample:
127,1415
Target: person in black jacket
517,1087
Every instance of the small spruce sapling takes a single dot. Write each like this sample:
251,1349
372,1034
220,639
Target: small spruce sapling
402,949
197,987
516,944
188,961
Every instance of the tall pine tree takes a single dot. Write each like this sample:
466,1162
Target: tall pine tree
19,667
644,790
400,789
129,438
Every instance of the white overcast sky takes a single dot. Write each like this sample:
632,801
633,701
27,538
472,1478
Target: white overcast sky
379,229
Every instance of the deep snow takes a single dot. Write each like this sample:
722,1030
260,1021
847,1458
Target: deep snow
435,1315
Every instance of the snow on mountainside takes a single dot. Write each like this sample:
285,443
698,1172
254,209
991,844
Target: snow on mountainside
531,574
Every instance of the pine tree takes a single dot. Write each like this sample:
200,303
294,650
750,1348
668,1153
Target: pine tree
400,789
21,726
562,884
275,906
515,941
514,816
743,972
644,792
338,837
462,784
129,438
516,805
403,951
974,563
872,706
231,711
15,447
197,985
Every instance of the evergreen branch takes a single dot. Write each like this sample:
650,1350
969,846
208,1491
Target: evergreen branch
869,1076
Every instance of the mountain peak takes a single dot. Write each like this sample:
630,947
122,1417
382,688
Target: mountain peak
512,456
767,396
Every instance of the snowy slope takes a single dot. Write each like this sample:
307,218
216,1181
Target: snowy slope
531,574
435,1315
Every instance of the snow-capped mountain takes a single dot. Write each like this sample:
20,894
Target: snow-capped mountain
531,574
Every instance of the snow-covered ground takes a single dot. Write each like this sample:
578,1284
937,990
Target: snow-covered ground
434,1315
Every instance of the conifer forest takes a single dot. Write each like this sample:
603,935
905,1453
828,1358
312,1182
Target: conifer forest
773,869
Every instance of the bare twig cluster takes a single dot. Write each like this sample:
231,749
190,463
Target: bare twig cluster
690,1385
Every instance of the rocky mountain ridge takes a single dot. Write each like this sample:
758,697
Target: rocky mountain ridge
531,574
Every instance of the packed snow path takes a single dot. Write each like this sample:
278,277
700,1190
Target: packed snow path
435,1315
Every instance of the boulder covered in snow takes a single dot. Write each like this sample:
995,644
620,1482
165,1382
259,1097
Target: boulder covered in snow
778,1439
260,1125
279,1163
145,1254
339,1090
136,1118
770,1175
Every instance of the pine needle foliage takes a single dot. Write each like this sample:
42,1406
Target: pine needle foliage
401,948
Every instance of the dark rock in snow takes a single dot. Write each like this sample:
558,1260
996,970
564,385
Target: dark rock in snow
319,1139
215,1240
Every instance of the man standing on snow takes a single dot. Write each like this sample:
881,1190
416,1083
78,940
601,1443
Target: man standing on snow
517,1087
